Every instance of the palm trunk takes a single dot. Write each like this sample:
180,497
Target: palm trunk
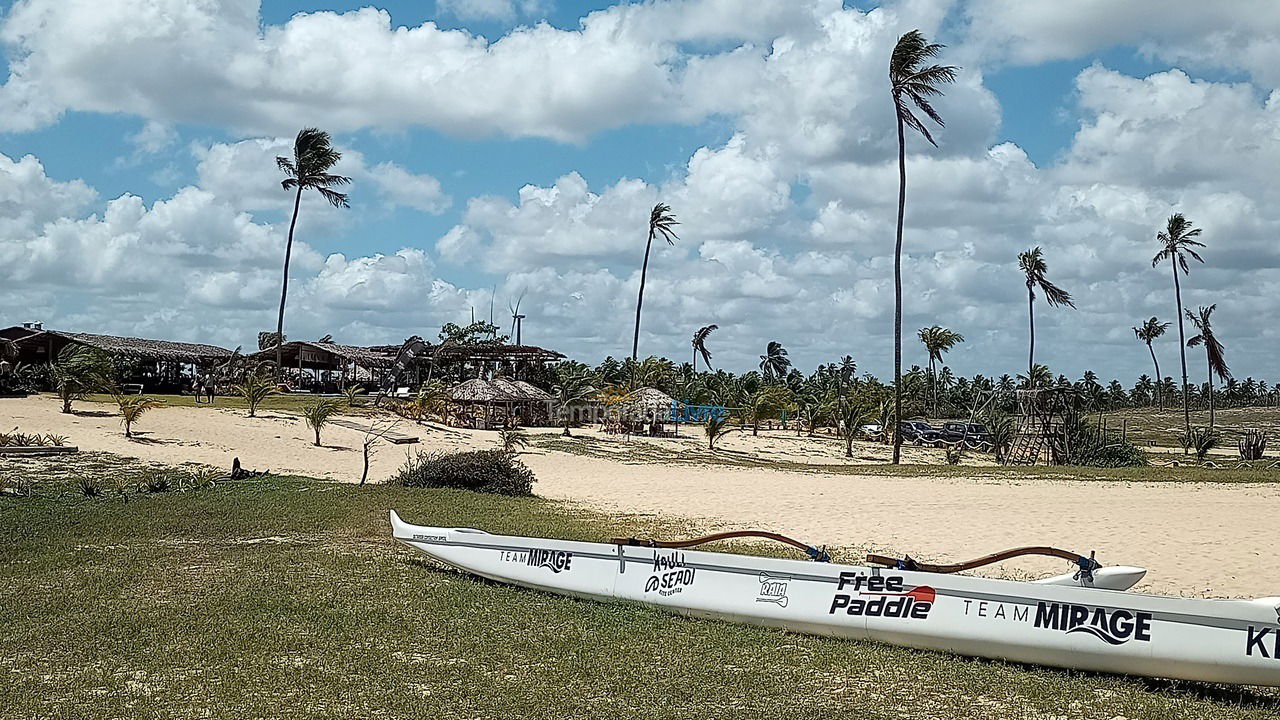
284,286
1159,392
1182,346
1031,352
933,376
897,296
644,270
1210,387
317,437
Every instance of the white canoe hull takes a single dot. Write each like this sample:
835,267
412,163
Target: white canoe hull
1084,628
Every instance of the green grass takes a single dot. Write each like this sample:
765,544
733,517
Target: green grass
286,598
286,403
643,452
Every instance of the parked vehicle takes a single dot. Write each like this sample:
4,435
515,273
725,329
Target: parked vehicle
972,433
919,432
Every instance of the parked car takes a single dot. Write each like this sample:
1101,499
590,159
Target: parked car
872,430
919,432
972,433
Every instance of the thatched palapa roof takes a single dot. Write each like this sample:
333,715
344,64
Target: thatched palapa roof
364,357
497,390
136,347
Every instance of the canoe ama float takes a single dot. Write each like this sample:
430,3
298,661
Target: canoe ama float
1056,621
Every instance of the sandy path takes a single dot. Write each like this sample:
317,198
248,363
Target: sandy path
1196,539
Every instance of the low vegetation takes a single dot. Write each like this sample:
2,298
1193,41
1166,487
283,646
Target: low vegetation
292,595
319,413
132,407
487,471
21,439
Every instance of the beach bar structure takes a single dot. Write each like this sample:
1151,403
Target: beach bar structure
497,403
328,366
155,365
458,362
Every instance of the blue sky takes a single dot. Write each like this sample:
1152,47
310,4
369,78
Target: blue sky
766,123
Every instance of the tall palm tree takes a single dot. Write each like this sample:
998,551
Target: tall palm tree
937,340
774,363
661,222
700,345
1177,241
1213,349
911,82
1034,268
313,158
1148,332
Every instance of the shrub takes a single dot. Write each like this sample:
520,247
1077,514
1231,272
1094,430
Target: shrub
489,471
256,388
953,454
1086,444
513,439
90,488
1200,440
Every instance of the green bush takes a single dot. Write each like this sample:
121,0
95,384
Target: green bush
489,471
1087,444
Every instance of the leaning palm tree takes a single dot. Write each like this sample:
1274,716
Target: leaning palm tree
1034,268
910,80
700,345
661,222
774,363
1178,241
937,340
1213,349
313,158
1148,332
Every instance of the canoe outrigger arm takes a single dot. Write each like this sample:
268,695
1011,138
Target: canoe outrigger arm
1086,565
817,554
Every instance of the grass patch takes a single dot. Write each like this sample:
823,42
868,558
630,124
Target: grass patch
642,453
286,598
283,403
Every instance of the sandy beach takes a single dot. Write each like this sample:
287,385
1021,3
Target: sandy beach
1199,539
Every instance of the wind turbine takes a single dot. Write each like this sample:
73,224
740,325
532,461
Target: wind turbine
516,317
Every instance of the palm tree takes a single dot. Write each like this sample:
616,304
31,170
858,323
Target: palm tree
700,345
910,79
132,408
774,362
938,340
1213,349
1034,268
1147,333
78,371
255,388
318,414
571,390
661,222
313,157
1178,241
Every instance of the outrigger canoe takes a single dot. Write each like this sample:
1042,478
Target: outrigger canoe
1083,620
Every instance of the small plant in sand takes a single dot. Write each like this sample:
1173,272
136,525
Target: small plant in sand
132,408
351,395
318,414
513,439
256,388
89,487
715,429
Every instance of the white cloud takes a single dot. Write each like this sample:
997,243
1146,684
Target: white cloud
786,228
1238,35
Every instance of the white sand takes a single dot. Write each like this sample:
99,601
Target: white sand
1195,538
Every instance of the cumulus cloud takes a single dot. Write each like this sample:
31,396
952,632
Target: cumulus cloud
1239,35
787,226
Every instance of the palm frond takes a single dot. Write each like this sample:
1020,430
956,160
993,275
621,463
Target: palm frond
1055,295
336,199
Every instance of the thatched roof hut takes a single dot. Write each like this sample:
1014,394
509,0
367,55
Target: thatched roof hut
48,343
479,391
649,399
